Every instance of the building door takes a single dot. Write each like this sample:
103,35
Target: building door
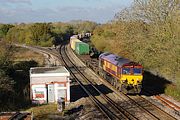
51,93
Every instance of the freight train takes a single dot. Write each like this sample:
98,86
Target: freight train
124,74
78,46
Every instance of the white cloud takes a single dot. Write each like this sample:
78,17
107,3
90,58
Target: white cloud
24,13
15,1
99,14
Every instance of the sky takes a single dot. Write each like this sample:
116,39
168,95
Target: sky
28,11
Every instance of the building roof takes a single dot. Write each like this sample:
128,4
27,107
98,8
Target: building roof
49,71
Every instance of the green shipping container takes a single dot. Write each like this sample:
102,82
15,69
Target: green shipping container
81,48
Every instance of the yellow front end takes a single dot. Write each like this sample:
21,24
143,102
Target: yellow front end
132,79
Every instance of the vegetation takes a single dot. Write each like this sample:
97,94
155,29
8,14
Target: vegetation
63,31
16,62
6,82
23,54
14,77
44,34
146,32
173,90
45,111
4,28
32,34
83,26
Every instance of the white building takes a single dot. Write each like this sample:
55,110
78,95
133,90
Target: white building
48,84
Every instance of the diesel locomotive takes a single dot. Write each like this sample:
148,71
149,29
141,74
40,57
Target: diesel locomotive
122,73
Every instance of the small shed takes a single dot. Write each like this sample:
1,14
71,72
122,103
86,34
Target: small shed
48,84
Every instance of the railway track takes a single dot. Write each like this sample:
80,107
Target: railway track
110,108
104,103
101,106
168,103
110,114
175,108
139,104
145,107
16,115
151,108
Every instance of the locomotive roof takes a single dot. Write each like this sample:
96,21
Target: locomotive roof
114,59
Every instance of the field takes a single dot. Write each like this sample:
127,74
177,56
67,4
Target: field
23,54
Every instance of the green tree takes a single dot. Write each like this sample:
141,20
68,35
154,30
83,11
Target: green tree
147,32
6,82
83,26
7,92
4,28
40,32
62,32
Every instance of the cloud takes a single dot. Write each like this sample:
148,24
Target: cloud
15,1
63,14
98,14
25,13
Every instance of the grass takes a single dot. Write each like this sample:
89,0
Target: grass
23,54
42,112
159,85
173,90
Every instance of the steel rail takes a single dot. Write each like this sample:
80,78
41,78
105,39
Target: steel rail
102,107
121,111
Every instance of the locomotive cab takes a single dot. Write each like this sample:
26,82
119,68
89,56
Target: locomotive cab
131,77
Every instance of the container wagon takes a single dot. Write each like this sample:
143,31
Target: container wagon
73,42
81,48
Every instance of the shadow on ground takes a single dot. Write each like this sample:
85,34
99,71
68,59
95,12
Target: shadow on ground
74,110
153,84
77,92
